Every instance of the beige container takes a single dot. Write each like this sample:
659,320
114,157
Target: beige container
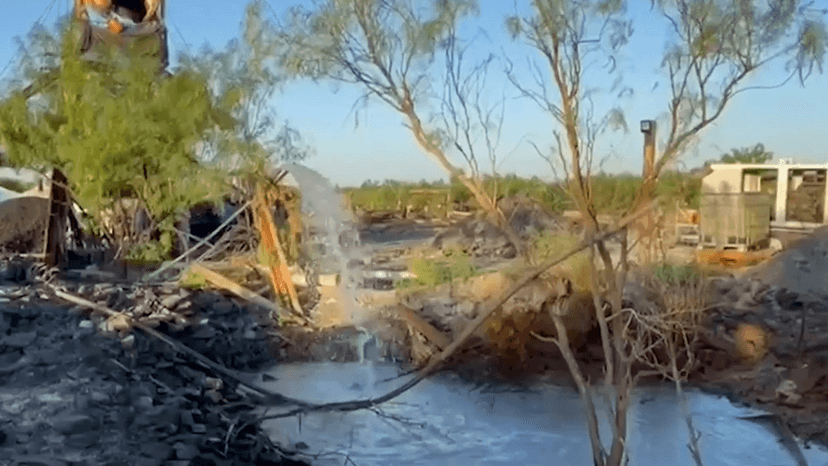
734,220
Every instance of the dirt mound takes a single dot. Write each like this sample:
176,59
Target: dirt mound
24,223
801,268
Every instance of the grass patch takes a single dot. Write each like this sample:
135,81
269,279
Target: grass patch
454,265
193,281
678,275
547,245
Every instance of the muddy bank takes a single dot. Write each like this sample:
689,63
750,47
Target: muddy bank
83,390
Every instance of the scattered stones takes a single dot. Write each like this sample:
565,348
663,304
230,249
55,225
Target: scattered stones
19,339
124,400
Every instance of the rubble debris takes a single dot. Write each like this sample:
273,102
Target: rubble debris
72,395
224,283
801,268
24,221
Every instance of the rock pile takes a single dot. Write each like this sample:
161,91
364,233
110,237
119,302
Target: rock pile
801,268
478,238
779,336
70,395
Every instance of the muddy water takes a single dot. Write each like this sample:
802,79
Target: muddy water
447,421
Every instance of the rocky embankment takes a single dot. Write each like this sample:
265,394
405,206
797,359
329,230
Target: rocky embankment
82,389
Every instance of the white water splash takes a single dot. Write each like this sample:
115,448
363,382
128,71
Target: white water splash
324,208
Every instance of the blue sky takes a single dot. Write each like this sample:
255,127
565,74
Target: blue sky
790,121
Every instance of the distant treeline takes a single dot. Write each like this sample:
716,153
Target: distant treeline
613,193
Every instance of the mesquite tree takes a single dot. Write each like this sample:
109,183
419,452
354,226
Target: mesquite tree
716,46
397,51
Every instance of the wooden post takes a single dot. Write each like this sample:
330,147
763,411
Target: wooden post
647,230
58,221
279,274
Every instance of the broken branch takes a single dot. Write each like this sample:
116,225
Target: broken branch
225,283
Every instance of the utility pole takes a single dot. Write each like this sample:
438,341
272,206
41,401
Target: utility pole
647,232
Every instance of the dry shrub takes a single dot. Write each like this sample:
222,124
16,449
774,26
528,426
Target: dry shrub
663,333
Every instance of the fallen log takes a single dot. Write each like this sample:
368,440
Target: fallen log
440,340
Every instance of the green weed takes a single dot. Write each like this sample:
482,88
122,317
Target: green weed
454,265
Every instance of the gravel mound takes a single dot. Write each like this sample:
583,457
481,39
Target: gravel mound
802,268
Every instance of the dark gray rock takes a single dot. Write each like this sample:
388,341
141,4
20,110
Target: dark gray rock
68,423
185,451
19,339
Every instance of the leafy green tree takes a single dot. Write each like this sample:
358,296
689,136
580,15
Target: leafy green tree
715,47
116,129
755,154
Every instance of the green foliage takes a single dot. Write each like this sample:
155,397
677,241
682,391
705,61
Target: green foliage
614,193
454,265
755,154
677,186
152,253
679,275
547,245
192,280
460,195
346,40
117,130
734,40
245,80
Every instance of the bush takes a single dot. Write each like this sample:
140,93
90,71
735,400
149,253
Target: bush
118,131
678,275
547,245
